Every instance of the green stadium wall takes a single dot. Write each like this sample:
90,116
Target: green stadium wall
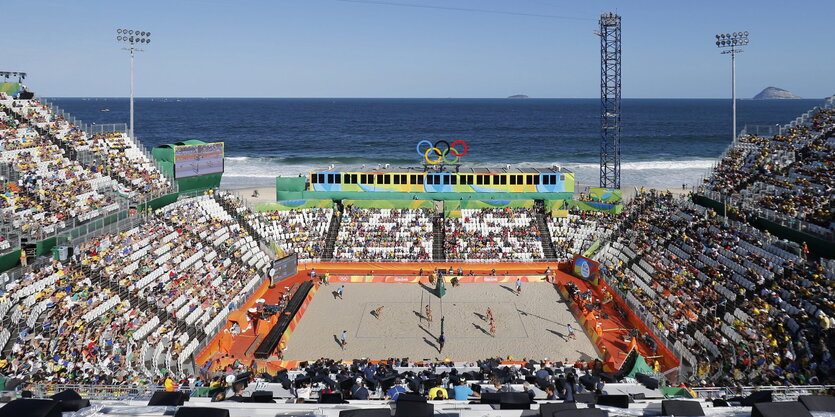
293,205
390,204
593,206
10,260
164,154
608,195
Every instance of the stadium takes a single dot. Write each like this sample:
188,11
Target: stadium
134,285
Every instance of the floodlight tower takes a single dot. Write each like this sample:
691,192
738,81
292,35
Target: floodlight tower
734,41
133,38
610,103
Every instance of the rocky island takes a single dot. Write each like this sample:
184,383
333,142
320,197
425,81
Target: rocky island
774,93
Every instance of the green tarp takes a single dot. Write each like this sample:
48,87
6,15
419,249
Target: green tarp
676,392
607,195
290,184
641,367
592,206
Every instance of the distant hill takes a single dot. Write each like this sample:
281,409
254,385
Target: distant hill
774,93
518,96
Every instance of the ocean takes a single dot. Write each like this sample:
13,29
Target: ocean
665,142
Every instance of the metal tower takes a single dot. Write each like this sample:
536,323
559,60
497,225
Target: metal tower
610,104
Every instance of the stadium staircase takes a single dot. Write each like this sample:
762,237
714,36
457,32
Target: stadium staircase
333,231
88,159
232,211
12,115
145,305
69,151
438,237
544,232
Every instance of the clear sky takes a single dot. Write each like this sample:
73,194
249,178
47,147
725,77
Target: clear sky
420,48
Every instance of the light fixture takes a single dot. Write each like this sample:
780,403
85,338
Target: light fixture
132,37
733,41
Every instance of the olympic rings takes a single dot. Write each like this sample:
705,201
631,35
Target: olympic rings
447,161
420,152
453,150
441,148
433,162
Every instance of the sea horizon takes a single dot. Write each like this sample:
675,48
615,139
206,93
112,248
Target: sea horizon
665,142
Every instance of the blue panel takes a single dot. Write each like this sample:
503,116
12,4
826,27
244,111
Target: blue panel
372,188
482,189
439,188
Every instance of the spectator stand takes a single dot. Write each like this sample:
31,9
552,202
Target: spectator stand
781,182
298,228
478,232
33,131
734,270
385,231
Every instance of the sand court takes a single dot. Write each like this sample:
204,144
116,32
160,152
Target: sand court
532,324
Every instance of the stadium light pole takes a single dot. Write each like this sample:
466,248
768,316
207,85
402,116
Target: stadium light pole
733,41
133,38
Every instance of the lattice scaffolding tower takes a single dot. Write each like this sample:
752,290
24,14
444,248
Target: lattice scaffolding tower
610,103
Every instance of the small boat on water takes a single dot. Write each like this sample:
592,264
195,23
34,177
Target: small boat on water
104,110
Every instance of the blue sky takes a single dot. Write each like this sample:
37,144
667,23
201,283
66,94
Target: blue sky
337,48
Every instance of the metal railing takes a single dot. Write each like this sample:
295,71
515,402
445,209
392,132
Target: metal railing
761,130
101,392
118,223
98,129
750,206
779,393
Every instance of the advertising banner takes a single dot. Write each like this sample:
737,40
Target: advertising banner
584,268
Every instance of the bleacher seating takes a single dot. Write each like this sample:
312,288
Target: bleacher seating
191,261
787,176
490,235
49,190
739,308
367,234
576,233
299,231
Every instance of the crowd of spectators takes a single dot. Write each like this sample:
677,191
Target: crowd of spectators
493,234
51,190
47,188
300,231
118,156
740,307
439,380
789,173
373,234
72,330
577,232
128,299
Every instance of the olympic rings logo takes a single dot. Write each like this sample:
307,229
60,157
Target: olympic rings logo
437,153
